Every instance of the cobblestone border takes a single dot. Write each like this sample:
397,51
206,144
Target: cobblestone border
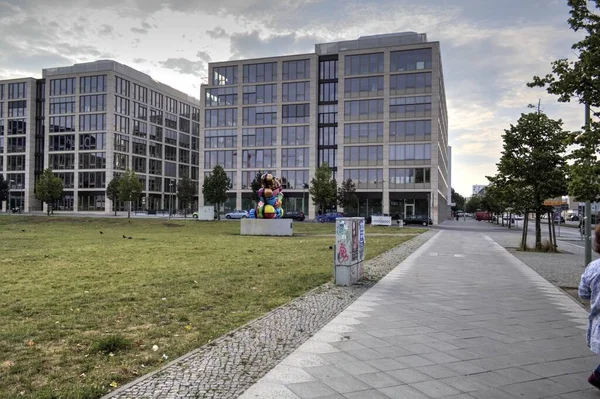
228,366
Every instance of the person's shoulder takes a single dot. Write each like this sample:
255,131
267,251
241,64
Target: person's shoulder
593,268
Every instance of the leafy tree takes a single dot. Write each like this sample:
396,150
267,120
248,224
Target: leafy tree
3,189
459,200
323,188
533,164
112,191
215,187
186,192
49,189
473,204
256,185
346,196
130,188
578,80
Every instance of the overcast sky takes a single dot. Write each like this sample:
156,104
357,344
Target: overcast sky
490,49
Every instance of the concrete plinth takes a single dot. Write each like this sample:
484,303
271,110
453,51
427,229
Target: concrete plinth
266,227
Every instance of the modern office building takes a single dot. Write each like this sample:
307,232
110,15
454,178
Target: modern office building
477,188
374,109
96,120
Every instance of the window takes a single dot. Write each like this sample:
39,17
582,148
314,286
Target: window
156,99
92,122
122,86
92,160
120,161
410,107
156,133
255,73
294,179
17,109
328,69
184,140
171,171
410,83
220,117
184,110
171,121
62,87
399,178
139,164
414,153
121,143
121,105
363,110
223,76
196,114
220,96
140,129
363,155
170,153
92,141
294,157
299,91
328,114
327,136
363,64
363,87
365,179
15,163
261,94
259,158
140,93
62,124
295,113
410,60
155,167
62,143
17,90
16,144
61,161
184,171
67,178
184,156
94,103
19,126
328,92
328,155
295,135
139,146
170,137
221,138
92,84
140,111
1,91
195,129
410,131
248,177
293,70
266,115
355,133
155,150
121,124
259,137
156,116
92,179
227,159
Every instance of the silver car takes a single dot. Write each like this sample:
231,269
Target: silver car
237,214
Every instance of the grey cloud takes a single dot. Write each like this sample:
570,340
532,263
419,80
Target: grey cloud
203,55
140,60
184,66
217,33
141,31
251,45
106,30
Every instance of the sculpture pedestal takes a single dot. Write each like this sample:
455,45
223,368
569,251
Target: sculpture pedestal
266,227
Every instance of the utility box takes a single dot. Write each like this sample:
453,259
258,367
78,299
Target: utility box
206,213
349,250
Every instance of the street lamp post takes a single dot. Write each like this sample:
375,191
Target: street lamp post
171,197
382,194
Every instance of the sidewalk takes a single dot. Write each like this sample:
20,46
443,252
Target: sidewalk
460,318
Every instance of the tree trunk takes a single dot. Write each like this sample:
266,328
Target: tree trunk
523,246
47,208
129,210
115,205
555,247
52,205
550,216
538,230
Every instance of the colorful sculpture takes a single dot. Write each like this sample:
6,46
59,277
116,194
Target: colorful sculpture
270,199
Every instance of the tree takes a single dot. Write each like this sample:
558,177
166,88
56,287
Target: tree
459,200
473,204
346,196
186,192
256,185
49,189
112,191
533,163
130,189
215,187
323,188
3,189
579,80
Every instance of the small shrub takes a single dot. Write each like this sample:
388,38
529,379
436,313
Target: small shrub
111,344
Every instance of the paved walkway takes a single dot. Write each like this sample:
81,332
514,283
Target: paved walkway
460,318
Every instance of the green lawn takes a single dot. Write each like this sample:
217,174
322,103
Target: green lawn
82,310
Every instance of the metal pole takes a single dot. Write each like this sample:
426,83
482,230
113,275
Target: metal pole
170,198
587,220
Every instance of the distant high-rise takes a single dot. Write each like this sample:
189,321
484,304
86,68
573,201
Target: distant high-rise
477,188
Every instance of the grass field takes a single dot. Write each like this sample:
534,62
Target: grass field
84,308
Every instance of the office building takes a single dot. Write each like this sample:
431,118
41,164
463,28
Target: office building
479,189
374,109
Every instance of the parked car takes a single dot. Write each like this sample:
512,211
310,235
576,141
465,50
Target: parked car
479,216
296,215
573,218
329,217
417,219
237,214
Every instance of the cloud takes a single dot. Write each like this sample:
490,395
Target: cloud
251,45
203,55
106,31
140,60
184,66
217,33
143,30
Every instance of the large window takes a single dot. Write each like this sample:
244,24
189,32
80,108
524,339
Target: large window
92,160
259,137
410,131
139,146
155,150
295,113
62,161
62,87
92,84
61,124
67,178
121,143
154,184
156,116
155,167
299,91
328,92
156,133
16,144
295,135
410,107
227,159
259,158
294,179
266,115
185,110
260,94
122,105
122,86
19,126
363,64
363,87
171,105
92,179
17,109
327,136
171,121
328,114
156,99
410,83
184,156
363,110
401,154
355,133
220,138
329,156
121,124
140,129
184,140
170,137
92,141
293,70
255,73
140,93
401,178
223,76
220,117
140,111
139,164
248,177
92,122
64,142
220,96
410,60
363,155
120,161
94,103
365,179
294,157
17,90
328,69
